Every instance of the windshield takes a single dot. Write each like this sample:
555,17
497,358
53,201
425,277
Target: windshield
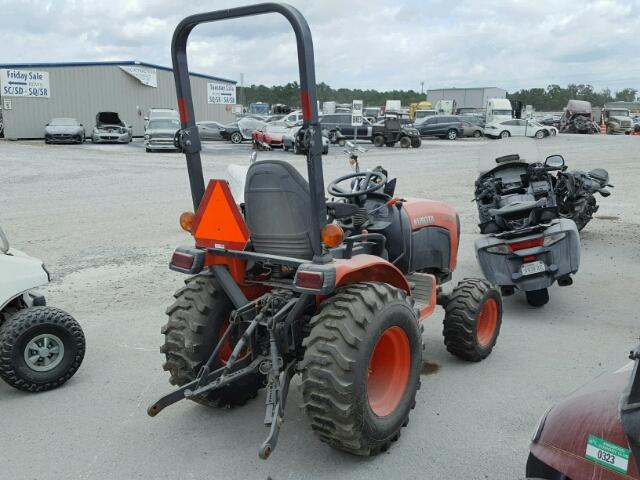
164,124
259,108
64,121
619,113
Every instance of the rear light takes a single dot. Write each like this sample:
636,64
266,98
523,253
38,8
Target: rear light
553,238
309,280
182,260
534,242
500,249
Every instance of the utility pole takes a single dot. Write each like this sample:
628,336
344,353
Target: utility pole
422,88
242,89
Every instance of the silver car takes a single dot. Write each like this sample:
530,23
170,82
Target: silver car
64,130
110,129
472,130
160,134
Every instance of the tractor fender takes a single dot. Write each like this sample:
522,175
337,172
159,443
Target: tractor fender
369,268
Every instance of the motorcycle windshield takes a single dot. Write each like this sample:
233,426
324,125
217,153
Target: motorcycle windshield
496,153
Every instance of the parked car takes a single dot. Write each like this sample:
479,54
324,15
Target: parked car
341,122
160,133
241,130
159,113
210,130
270,134
111,129
391,131
516,128
441,126
64,130
471,129
293,139
293,117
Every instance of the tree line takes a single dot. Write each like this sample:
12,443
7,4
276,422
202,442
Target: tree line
552,98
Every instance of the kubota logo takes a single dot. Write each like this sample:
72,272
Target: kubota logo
426,220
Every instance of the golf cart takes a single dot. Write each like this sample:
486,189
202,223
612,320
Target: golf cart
288,283
391,131
41,347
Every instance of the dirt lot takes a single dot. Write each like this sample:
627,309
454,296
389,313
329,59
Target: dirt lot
105,220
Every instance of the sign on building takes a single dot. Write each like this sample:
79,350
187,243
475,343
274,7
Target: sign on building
221,93
24,83
146,76
356,113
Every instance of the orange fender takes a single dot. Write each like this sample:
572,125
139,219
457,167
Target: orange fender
369,268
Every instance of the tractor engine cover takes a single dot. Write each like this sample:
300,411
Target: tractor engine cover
435,234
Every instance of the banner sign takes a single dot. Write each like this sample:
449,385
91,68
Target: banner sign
221,92
24,83
146,76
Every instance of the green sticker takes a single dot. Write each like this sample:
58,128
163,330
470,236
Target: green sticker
607,454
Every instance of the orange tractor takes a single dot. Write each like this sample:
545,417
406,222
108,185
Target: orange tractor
287,283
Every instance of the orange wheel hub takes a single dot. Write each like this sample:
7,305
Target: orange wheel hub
487,322
389,368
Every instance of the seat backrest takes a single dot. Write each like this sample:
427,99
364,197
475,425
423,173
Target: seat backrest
278,209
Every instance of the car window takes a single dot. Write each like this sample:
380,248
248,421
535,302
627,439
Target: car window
510,123
163,123
345,119
64,121
330,118
431,121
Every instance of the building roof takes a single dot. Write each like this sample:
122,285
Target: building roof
106,63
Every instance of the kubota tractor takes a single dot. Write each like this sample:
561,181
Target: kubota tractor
291,284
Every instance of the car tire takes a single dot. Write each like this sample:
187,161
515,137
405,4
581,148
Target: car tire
452,134
296,148
539,134
505,134
148,150
325,150
477,134
236,138
378,140
285,147
33,336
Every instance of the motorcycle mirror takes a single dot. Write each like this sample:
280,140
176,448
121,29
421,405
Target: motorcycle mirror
554,161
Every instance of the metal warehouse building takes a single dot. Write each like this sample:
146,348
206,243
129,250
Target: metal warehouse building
32,94
466,97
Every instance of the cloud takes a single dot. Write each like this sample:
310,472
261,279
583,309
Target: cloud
358,44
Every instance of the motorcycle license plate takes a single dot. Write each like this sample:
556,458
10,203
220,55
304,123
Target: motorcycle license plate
532,268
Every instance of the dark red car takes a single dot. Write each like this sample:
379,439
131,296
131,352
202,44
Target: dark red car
594,433
270,134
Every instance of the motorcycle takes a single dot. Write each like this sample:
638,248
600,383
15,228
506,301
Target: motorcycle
575,192
526,244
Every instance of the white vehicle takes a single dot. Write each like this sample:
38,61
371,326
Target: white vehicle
518,128
41,347
420,114
159,113
293,117
498,109
445,107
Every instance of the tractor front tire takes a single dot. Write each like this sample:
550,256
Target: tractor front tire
40,349
361,368
197,319
473,315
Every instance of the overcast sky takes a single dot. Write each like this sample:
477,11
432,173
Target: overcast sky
381,44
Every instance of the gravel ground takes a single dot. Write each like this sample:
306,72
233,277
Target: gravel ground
105,220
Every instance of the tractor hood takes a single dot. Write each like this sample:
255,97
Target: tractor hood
585,421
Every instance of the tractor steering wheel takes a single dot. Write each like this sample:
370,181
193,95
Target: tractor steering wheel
374,180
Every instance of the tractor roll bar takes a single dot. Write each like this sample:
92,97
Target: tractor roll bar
308,102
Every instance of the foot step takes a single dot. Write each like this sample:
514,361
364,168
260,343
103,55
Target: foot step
421,286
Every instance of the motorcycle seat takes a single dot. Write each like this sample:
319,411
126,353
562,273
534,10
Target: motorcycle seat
520,206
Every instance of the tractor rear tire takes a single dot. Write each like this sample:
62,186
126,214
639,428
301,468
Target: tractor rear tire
197,319
40,348
361,368
537,298
405,142
473,315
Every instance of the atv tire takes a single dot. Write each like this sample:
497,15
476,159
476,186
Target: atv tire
405,142
197,319
537,298
416,142
473,315
40,349
361,368
378,140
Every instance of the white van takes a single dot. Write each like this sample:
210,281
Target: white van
498,110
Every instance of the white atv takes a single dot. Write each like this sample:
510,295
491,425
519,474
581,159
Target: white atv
40,347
